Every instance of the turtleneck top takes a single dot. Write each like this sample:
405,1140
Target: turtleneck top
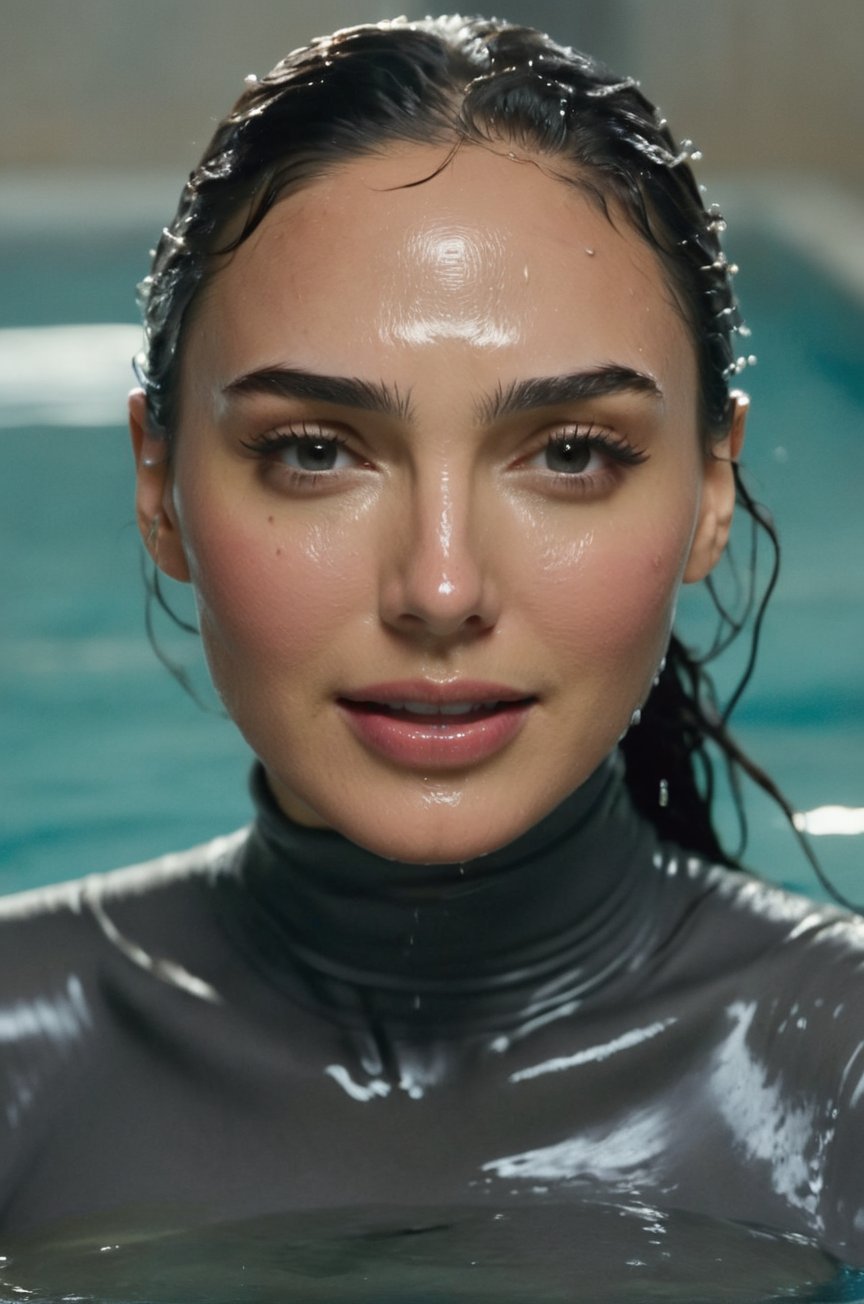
282,1021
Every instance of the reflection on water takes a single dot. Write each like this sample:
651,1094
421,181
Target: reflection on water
545,1254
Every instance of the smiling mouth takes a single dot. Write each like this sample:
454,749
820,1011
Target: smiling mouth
436,714
430,733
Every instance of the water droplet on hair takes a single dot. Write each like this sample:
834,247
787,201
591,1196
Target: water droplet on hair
251,79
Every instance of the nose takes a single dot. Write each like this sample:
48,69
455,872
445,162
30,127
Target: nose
437,579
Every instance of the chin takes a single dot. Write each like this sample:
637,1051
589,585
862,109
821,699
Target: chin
439,825
453,850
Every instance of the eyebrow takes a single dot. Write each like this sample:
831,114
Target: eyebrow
376,396
345,391
550,391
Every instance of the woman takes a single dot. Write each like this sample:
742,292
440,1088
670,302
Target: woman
435,417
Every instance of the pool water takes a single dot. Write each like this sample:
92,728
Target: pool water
106,761
550,1254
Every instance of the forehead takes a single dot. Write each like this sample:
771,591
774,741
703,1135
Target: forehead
488,253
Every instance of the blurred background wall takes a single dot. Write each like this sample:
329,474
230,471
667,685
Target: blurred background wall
758,84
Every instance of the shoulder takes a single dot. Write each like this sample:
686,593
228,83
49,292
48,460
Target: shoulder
789,972
755,911
749,935
795,926
63,927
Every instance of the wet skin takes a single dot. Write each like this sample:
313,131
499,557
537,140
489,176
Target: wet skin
464,532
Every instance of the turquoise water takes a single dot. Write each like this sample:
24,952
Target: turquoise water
587,1253
106,761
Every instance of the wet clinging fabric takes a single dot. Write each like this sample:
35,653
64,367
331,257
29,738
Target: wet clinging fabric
280,1020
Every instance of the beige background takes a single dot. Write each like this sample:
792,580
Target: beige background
764,86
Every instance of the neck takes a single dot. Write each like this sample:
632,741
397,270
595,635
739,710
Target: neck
509,937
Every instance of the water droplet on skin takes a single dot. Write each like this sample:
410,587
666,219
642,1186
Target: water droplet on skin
589,252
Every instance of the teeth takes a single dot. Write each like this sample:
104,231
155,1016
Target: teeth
439,708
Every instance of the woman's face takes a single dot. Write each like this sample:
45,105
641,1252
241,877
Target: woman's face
436,481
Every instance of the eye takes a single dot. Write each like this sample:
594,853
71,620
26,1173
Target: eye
305,457
311,453
584,454
568,454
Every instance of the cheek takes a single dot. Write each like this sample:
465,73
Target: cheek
272,592
610,595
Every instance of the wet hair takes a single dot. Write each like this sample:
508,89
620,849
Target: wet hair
455,82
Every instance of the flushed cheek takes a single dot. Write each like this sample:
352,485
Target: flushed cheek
606,602
268,597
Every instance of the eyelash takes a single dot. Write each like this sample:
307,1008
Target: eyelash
273,442
582,438
589,439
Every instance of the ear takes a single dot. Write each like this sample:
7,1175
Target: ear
718,497
154,504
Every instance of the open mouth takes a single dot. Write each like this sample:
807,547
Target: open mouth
437,714
429,735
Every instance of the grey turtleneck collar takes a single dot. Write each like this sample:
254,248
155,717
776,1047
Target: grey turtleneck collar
546,920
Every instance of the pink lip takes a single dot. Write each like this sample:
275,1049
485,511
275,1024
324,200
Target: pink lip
435,742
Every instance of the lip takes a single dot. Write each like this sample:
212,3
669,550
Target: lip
444,742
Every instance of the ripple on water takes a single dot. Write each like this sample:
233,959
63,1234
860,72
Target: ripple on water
546,1253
